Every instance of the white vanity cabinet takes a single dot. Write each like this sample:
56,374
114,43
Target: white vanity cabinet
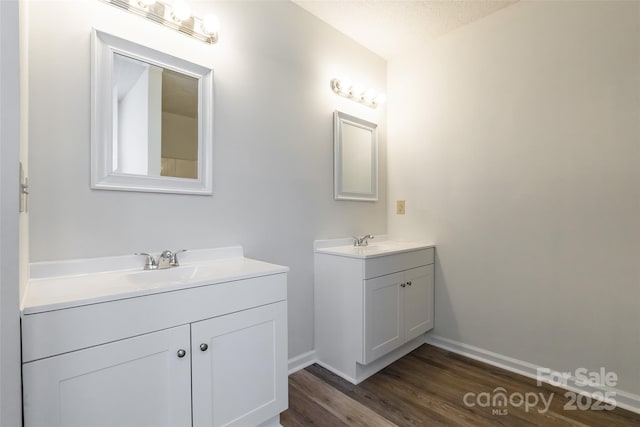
207,355
373,305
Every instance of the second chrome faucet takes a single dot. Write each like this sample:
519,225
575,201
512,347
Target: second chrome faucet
166,259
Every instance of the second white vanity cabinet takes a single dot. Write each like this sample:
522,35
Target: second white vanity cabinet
205,354
373,304
398,308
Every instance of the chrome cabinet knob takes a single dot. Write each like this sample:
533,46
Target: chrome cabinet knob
409,283
204,347
403,285
181,353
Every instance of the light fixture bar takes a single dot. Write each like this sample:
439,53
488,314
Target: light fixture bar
162,13
357,92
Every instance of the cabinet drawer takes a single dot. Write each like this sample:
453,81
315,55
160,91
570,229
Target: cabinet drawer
379,266
59,331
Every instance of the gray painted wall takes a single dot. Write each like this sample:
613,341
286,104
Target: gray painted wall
516,149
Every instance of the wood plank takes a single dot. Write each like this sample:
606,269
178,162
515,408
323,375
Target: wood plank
341,406
304,412
399,411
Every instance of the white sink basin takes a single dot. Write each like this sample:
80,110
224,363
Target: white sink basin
84,286
181,274
53,293
374,249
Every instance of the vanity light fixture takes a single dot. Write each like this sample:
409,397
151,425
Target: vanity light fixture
175,14
357,92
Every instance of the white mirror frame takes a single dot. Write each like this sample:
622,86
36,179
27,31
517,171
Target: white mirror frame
103,177
340,118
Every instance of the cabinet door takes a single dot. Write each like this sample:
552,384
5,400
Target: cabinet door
240,367
418,301
138,381
383,322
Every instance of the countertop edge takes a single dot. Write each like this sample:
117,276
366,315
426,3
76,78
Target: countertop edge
338,251
268,269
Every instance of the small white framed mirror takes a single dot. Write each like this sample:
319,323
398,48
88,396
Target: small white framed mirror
151,119
355,161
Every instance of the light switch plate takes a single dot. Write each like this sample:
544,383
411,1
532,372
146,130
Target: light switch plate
400,207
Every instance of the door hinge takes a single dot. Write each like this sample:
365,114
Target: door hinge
23,204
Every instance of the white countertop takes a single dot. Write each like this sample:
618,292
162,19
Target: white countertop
377,247
78,283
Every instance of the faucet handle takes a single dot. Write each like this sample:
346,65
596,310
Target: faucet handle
150,264
174,258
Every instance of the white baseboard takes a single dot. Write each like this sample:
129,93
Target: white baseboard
623,399
302,361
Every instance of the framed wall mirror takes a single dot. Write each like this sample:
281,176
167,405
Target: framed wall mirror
151,119
355,158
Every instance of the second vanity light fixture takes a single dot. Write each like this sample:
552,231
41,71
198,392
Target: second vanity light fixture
357,92
176,15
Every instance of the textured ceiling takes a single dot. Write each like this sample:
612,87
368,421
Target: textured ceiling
392,27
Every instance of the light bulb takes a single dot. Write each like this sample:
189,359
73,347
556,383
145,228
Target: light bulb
180,11
344,85
210,25
357,90
380,99
369,96
146,3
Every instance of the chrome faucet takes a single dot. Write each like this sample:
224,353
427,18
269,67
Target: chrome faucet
166,259
362,241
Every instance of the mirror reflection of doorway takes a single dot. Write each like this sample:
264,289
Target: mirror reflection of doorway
156,117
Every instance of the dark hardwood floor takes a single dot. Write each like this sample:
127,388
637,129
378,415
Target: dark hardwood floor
428,388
